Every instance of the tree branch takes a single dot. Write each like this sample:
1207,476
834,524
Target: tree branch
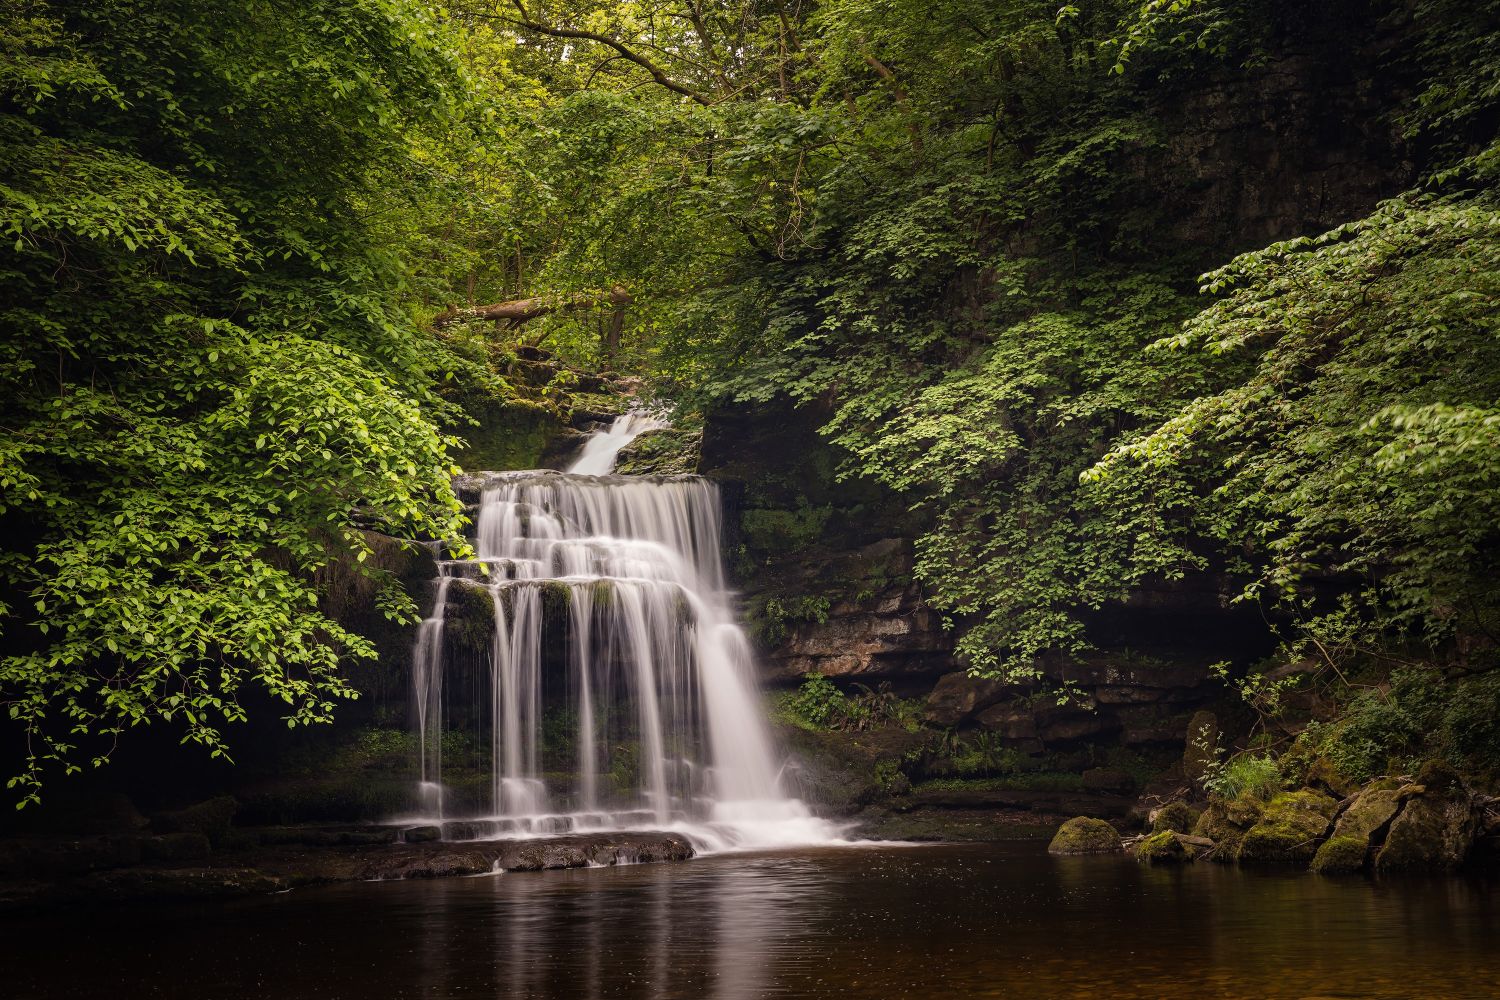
657,74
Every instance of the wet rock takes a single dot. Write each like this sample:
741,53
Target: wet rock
1225,823
1436,827
438,860
1289,830
1177,817
1082,835
211,818
421,834
329,837
181,883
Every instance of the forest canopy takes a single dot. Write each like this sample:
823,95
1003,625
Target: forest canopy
246,249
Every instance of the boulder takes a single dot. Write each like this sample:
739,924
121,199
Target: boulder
1289,830
1340,855
1176,817
1435,829
1170,847
1082,835
1369,814
1225,823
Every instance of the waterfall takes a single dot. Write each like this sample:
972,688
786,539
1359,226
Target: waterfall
619,691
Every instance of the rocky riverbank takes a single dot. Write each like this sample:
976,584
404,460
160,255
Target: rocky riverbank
1428,823
217,861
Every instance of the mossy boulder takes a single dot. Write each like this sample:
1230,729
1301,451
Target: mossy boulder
1289,830
1225,823
1436,827
1339,855
1177,817
1369,814
1171,847
1082,835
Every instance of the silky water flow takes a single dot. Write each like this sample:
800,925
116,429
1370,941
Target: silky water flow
619,692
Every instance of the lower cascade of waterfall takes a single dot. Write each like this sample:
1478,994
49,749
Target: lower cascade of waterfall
585,672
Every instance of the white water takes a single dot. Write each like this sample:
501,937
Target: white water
613,636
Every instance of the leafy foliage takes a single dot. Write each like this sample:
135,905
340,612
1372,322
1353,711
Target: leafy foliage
212,389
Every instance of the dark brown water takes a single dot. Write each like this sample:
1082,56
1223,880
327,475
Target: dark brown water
1001,920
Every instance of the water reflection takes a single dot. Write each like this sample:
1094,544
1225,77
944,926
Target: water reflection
978,921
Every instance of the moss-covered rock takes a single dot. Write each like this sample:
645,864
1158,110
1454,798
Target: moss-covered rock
469,618
1225,823
1162,847
1436,827
1339,855
671,451
1289,830
1369,814
1082,835
1177,817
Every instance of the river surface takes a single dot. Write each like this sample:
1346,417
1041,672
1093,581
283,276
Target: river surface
993,920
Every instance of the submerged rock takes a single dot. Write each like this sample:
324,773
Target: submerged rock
1082,835
1289,830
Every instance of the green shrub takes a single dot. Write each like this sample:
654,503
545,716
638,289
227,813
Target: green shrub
819,702
1248,774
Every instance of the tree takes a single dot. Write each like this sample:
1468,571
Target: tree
211,386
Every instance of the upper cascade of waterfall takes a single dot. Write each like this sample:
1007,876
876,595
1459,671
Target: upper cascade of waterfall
616,690
603,447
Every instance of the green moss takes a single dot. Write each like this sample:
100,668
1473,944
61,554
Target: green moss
1225,822
469,620
1339,855
772,530
1163,847
672,451
1289,830
1083,835
1176,817
509,435
1038,781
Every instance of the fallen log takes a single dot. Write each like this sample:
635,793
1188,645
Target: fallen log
518,311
